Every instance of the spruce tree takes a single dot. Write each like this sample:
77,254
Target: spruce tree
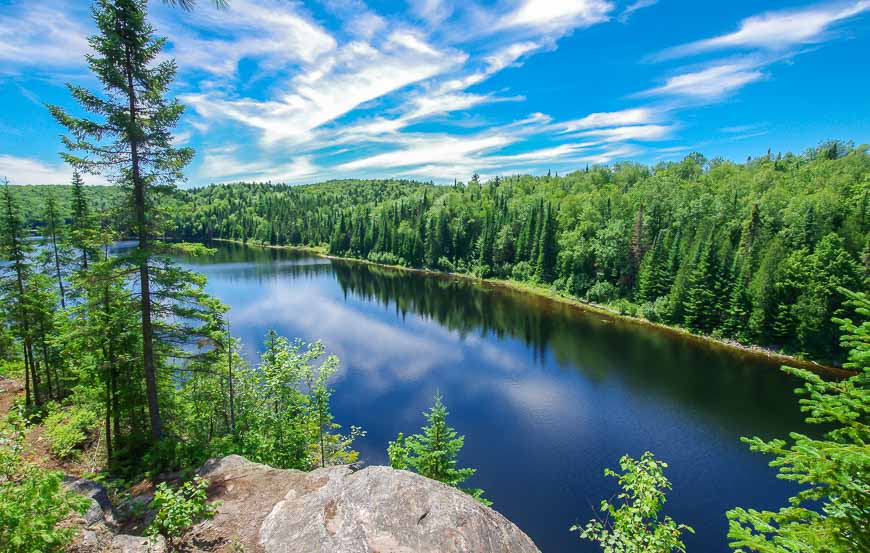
15,292
52,230
434,453
832,510
131,143
546,258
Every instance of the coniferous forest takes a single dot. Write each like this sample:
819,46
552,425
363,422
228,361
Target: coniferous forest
752,252
122,353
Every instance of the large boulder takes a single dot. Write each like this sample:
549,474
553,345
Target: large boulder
339,510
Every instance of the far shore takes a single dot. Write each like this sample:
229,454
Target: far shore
553,295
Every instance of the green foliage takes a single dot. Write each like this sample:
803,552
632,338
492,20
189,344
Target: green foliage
635,524
33,503
711,237
434,453
179,510
832,511
601,292
68,429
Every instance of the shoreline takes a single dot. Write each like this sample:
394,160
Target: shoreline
547,293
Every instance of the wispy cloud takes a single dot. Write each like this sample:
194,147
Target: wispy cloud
633,116
22,170
47,37
629,10
713,82
549,15
775,31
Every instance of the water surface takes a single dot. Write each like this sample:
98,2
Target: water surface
547,395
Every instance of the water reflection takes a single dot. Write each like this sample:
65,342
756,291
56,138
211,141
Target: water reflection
547,395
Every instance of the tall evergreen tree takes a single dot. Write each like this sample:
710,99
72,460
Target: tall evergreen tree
16,251
131,142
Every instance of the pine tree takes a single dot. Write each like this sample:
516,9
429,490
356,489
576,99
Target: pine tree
14,287
832,509
132,143
546,258
52,231
82,227
434,453
700,294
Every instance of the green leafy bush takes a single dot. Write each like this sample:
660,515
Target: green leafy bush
625,307
634,525
522,271
601,292
67,429
32,503
10,369
178,510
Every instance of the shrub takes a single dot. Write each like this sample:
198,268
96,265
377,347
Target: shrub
32,503
601,292
635,524
625,307
446,265
662,308
178,510
385,258
648,311
522,271
11,369
67,430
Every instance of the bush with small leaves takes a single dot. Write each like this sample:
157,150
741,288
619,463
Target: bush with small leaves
32,503
68,430
178,510
634,526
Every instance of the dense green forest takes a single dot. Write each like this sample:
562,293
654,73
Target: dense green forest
752,252
115,339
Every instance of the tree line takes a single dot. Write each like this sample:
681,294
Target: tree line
753,252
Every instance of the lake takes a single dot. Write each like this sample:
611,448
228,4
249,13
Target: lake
546,394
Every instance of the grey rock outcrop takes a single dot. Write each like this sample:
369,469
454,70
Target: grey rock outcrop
100,509
339,510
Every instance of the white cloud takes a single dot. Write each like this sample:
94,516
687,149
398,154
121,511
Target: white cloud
273,33
629,10
22,170
355,74
223,164
777,31
710,83
32,35
427,150
432,12
632,132
634,116
561,14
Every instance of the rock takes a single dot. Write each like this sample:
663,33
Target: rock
123,543
101,507
338,510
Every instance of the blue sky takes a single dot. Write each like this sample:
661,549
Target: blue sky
439,89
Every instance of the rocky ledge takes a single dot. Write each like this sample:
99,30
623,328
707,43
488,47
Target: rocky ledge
340,510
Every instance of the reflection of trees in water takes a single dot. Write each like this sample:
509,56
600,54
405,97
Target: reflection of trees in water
740,392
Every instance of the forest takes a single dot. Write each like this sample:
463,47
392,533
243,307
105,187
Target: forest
753,252
112,338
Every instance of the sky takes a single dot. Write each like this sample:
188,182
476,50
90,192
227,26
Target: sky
298,92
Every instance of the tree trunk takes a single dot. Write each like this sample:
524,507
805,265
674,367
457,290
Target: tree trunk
45,359
57,268
144,277
27,398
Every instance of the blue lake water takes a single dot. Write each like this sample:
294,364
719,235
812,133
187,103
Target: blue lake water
546,394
